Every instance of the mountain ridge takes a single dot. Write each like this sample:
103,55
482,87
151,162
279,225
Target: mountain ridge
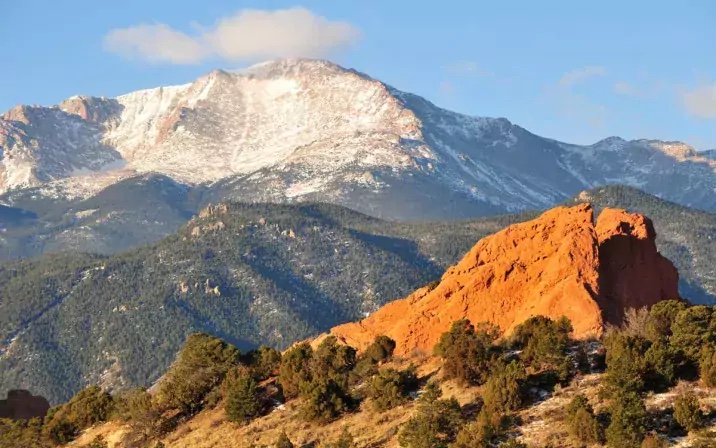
310,130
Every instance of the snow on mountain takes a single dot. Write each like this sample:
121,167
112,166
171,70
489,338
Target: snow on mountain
301,129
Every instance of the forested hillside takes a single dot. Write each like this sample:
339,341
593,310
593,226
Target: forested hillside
252,275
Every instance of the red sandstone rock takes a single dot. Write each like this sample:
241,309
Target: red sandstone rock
632,273
559,264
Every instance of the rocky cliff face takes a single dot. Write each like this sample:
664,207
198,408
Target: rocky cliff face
560,264
632,273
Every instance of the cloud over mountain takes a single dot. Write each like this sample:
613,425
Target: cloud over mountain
247,35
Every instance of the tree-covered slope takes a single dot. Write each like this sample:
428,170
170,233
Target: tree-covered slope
256,274
252,274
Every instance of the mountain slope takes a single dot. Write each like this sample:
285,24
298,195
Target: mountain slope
134,211
307,130
303,270
254,274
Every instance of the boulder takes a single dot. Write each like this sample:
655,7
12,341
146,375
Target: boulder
21,404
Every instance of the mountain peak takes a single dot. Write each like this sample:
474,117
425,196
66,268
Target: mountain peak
310,129
292,66
672,148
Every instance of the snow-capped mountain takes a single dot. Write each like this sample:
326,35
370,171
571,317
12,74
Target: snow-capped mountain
293,130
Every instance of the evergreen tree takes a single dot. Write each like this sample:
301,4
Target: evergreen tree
242,398
295,369
381,349
628,419
201,366
687,412
435,424
390,388
468,353
581,421
503,390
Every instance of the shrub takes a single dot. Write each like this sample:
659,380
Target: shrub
707,365
435,423
97,442
136,408
283,441
324,400
626,365
90,406
544,344
390,388
263,362
654,441
628,419
581,421
687,412
201,366
539,327
325,387
512,443
662,362
345,440
22,433
333,361
636,322
691,331
468,353
295,369
482,432
661,318
242,398
503,390
474,435
380,350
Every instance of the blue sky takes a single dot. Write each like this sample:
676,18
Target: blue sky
568,70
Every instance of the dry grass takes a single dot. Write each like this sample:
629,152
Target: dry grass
542,423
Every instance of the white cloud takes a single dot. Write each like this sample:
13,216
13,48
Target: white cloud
248,35
156,44
580,75
701,101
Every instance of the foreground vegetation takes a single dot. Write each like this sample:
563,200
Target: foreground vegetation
329,381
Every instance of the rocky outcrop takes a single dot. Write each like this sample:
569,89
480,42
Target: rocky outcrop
632,273
559,264
20,404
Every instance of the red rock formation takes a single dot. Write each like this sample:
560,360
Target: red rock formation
20,404
632,273
556,265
